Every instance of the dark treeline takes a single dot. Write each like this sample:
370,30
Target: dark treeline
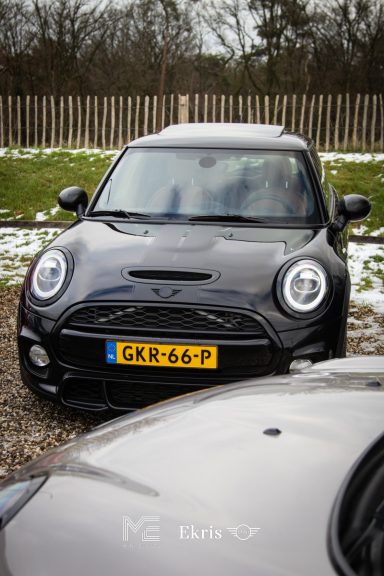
64,47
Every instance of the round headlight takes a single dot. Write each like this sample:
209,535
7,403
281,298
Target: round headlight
49,274
305,286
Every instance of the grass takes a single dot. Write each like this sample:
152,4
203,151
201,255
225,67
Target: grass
366,178
30,184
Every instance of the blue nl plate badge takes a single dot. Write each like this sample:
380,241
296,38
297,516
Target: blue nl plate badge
111,353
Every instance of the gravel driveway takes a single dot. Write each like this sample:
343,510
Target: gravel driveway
29,425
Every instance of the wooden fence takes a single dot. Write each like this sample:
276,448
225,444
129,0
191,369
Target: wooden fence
336,122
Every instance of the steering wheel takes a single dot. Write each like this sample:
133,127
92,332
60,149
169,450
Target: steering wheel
272,196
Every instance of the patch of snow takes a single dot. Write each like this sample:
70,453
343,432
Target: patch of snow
351,156
360,231
41,216
18,247
33,152
363,263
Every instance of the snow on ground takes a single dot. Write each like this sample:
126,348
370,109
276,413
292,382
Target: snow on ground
18,246
33,152
351,157
47,214
366,265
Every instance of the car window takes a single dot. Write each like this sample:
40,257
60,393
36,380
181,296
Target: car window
180,183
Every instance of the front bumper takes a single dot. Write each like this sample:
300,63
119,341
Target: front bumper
79,376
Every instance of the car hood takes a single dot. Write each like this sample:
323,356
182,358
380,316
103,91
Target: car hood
242,261
268,455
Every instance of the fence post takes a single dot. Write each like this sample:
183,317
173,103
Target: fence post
196,107
104,125
328,122
355,121
266,109
206,108
318,134
28,100
146,112
347,114
337,124
70,128
373,123
61,132
10,138
86,138
154,114
284,117
381,123
36,125
277,97
293,112
365,114
78,122
96,119
44,121
18,110
112,121
129,119
53,121
303,103
183,110
1,123
311,116
137,116
222,108
257,109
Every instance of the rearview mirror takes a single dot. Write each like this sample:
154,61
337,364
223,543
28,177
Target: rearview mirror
73,199
351,208
355,207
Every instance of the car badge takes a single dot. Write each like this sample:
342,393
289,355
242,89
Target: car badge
165,292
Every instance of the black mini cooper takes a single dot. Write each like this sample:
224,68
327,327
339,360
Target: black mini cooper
209,253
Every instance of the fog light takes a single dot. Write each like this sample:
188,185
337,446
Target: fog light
300,364
38,356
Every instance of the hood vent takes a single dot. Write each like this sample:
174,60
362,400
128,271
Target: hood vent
174,275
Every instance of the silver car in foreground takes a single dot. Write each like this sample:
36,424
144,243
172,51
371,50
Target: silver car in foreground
276,476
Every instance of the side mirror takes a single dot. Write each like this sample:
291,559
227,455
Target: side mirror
352,208
73,199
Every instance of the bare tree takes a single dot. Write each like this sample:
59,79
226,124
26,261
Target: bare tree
67,35
15,40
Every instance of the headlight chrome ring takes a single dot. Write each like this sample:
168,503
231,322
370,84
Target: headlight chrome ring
305,286
49,274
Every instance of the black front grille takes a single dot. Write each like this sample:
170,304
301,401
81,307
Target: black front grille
123,395
244,347
166,319
137,395
83,391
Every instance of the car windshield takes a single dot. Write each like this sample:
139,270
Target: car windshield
262,186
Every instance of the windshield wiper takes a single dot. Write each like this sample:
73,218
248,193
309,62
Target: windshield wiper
119,214
225,218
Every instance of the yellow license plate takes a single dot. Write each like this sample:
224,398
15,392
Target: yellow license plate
169,355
